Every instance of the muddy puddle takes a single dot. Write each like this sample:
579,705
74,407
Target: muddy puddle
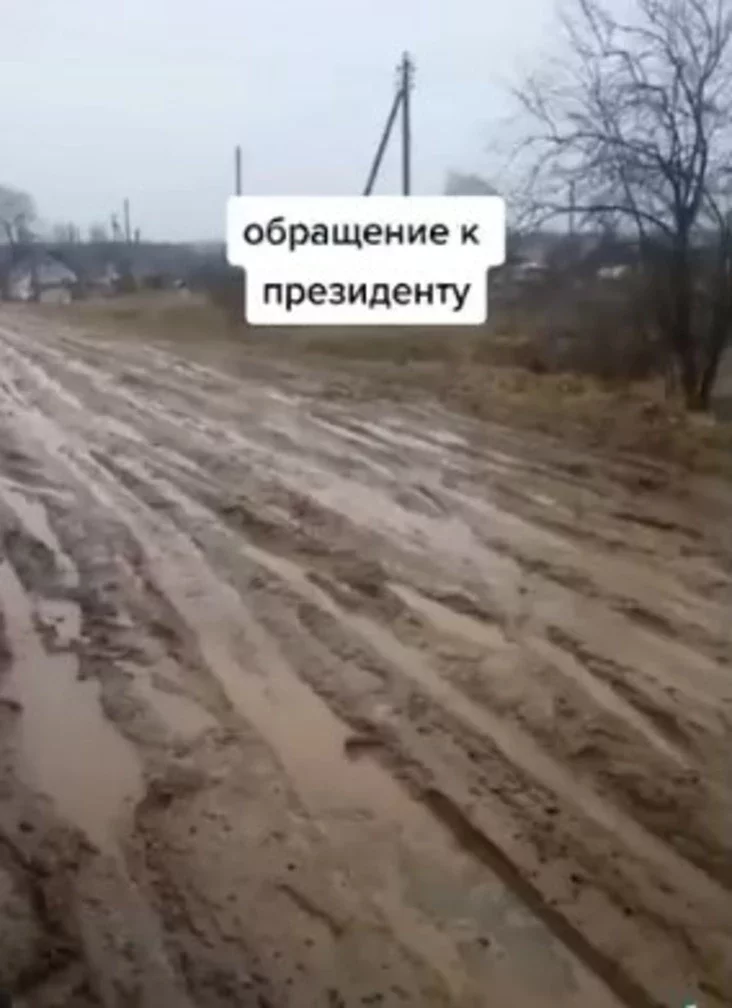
71,752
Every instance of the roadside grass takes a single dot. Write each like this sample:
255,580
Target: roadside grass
474,371
470,369
161,316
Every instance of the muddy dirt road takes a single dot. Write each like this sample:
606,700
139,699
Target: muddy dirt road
310,702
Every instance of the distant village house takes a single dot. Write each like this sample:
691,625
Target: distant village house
41,277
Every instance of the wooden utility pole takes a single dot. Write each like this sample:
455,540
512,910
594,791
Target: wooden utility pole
406,69
382,144
401,101
237,170
128,232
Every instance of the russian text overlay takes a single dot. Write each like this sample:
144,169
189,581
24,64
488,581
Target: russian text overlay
366,260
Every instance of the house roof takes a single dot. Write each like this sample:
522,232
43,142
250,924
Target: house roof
48,269
92,259
459,184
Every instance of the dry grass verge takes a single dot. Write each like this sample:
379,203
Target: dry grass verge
469,369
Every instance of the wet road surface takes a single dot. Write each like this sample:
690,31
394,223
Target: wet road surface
308,701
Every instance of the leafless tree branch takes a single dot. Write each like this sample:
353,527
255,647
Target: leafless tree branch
638,124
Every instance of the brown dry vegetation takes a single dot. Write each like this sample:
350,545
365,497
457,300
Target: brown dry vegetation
564,371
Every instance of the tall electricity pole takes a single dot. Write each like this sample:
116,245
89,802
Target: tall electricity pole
382,143
405,71
237,171
128,231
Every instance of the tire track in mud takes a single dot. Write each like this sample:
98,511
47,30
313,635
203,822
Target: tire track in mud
308,764
287,637
450,813
104,489
137,481
251,696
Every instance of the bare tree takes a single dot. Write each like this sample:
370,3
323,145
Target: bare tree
633,131
17,213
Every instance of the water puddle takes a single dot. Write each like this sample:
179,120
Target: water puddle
72,752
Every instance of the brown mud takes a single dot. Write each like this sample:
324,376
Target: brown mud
313,702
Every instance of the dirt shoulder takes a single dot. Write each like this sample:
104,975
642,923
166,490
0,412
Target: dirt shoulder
316,691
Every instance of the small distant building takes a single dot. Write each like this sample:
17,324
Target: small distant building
458,184
527,262
102,278
527,270
613,272
41,277
66,270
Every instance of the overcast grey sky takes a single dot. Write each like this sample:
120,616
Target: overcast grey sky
147,98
